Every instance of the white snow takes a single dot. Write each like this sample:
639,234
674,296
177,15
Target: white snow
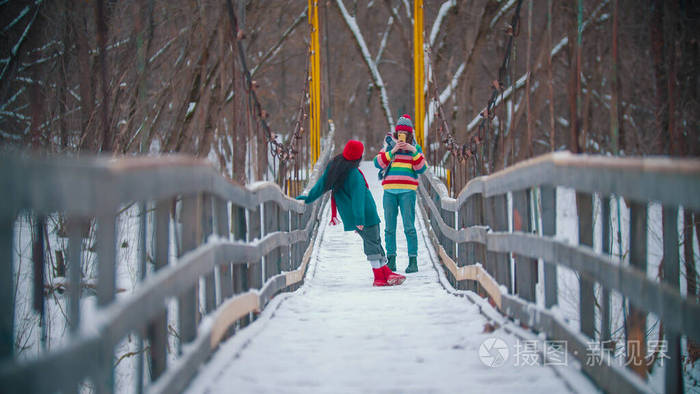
500,13
337,333
444,8
190,108
385,37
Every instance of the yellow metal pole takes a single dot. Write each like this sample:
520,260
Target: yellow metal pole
449,185
311,90
317,66
421,130
314,90
415,68
418,72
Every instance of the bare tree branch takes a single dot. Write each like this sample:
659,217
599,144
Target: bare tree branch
521,81
275,48
12,61
437,25
372,67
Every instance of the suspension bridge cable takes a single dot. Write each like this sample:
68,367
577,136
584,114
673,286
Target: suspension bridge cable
283,151
472,151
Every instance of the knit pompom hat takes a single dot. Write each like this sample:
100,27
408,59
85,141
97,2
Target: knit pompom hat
404,124
353,150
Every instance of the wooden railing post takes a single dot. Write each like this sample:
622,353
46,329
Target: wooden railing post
449,218
106,244
157,330
188,299
525,268
470,213
607,250
255,268
39,263
272,259
636,338
431,216
549,229
285,260
143,269
75,229
207,218
75,241
433,219
106,285
7,307
296,249
479,250
302,246
239,228
671,264
222,230
304,219
584,206
496,217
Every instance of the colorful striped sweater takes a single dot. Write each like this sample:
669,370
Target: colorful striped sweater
404,170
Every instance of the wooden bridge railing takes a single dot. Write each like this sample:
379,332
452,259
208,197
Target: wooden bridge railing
226,230
474,227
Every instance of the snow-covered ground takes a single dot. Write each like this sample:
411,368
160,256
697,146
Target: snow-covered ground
337,333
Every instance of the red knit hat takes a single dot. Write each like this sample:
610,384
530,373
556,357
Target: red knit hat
404,124
353,150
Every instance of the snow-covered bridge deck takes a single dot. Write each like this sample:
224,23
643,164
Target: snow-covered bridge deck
337,333
241,250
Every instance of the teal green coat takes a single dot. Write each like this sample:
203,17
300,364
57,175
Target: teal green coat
354,201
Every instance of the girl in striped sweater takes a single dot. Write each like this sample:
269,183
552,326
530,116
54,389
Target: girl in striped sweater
401,165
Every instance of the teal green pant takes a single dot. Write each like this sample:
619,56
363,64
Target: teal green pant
406,203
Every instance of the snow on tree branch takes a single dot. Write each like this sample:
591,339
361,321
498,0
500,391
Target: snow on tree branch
408,9
275,48
376,77
20,41
446,94
19,17
444,8
385,37
555,50
501,12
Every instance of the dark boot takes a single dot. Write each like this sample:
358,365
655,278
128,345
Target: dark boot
412,265
391,262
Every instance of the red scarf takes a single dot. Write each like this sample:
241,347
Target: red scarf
334,208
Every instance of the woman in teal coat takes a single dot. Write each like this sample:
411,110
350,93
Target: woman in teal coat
351,198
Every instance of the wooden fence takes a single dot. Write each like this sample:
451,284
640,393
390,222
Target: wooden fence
226,230
474,227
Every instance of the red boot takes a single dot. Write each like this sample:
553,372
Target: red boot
379,277
392,278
